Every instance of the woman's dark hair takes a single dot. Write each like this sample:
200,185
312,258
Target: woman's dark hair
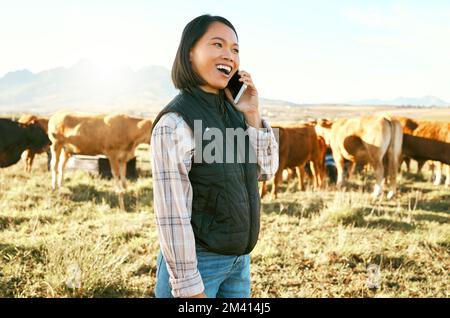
183,75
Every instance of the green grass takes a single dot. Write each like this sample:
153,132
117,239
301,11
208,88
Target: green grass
312,244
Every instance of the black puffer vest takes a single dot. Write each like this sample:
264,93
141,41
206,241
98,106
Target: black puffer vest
226,203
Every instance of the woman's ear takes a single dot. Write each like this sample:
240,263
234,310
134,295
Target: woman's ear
190,56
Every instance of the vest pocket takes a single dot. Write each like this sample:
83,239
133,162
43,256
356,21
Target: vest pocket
205,211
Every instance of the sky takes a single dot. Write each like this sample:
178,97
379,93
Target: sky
300,51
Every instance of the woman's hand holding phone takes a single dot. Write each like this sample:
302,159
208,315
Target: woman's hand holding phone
249,102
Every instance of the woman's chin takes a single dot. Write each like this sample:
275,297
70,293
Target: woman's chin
222,85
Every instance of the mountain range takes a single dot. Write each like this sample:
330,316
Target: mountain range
86,86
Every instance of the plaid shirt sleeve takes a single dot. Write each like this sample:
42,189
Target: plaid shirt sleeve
266,147
172,149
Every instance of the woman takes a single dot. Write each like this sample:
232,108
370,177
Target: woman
207,211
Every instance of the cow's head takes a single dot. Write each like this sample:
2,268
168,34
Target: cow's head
37,138
410,125
145,128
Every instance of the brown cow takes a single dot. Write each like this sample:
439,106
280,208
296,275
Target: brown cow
425,140
297,145
28,154
374,140
115,136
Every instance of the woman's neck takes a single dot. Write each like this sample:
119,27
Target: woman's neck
209,89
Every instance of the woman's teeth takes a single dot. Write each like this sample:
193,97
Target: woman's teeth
224,69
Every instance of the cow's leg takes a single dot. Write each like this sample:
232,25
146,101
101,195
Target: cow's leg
352,170
56,151
123,173
379,173
420,164
392,175
49,159
313,174
115,169
300,171
262,189
62,166
30,159
314,166
438,172
276,180
24,156
340,162
447,173
407,161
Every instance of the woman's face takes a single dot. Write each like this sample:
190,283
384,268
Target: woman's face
215,57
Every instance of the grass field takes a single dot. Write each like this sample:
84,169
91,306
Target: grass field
77,243
312,244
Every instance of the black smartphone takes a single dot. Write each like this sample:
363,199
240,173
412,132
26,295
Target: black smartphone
236,87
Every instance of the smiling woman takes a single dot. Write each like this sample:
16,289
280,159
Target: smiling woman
208,212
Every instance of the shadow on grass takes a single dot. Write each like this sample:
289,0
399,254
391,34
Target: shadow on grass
86,193
8,221
25,253
414,177
144,196
432,218
293,208
352,185
390,225
438,203
405,188
382,260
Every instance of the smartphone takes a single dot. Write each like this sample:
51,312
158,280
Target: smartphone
236,87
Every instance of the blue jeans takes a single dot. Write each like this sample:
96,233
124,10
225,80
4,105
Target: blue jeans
223,276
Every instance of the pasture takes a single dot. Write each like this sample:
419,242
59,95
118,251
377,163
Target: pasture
78,243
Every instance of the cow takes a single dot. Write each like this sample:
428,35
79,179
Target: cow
28,154
373,140
425,140
15,138
297,146
115,136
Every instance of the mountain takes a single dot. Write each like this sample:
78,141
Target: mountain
86,86
426,101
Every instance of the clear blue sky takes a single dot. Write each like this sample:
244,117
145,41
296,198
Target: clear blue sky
302,51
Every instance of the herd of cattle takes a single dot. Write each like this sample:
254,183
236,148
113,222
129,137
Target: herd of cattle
66,134
376,141
379,142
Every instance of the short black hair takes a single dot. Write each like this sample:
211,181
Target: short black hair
183,75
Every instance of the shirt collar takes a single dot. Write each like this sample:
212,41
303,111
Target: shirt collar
211,99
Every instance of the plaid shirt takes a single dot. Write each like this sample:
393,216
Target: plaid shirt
172,151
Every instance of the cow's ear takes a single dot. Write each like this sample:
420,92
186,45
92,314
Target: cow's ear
411,124
325,123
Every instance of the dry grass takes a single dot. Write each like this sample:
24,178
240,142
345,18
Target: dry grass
312,244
